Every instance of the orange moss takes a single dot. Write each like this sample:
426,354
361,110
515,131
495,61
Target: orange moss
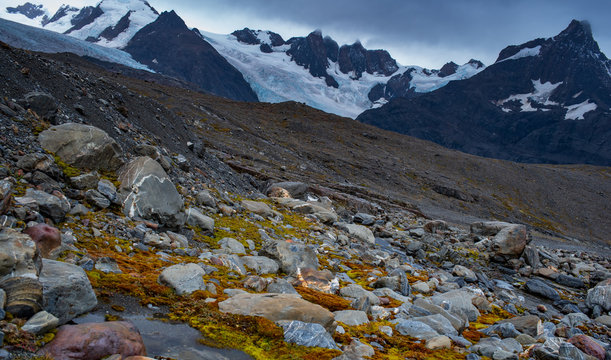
472,334
329,301
496,314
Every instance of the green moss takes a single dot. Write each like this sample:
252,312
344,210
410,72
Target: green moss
257,336
68,170
396,346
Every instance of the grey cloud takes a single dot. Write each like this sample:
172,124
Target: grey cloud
478,27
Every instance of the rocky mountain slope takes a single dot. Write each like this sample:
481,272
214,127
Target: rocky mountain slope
546,101
121,197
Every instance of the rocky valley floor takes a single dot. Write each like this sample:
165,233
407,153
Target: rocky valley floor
123,197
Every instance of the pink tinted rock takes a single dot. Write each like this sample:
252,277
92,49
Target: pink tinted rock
47,238
588,346
93,341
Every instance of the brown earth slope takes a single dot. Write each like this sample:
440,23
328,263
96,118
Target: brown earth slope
339,156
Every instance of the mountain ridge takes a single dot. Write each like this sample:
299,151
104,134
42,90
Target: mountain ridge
543,101
350,73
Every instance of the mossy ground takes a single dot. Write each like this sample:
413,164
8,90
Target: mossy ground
257,336
396,346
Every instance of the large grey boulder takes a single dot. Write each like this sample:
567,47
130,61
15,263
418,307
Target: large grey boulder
510,241
261,264
459,302
541,288
600,295
67,292
438,322
307,334
54,207
82,146
18,255
149,193
355,291
196,218
276,307
183,278
360,232
415,329
295,256
231,246
351,317
295,189
529,324
259,208
323,214
42,103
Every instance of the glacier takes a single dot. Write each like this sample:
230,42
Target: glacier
36,39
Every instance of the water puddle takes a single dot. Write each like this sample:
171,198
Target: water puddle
176,341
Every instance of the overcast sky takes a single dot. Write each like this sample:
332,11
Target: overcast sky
415,32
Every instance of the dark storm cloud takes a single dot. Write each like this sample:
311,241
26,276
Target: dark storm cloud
434,29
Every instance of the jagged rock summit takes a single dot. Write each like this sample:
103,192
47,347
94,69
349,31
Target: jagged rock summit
168,46
547,100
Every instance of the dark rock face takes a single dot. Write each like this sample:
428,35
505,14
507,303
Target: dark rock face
60,13
112,32
28,9
448,69
86,16
524,108
478,64
332,48
248,36
356,58
311,53
158,44
397,86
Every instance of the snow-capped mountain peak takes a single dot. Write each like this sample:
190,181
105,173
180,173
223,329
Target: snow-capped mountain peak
314,69
110,23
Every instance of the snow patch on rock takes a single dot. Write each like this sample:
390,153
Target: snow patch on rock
577,111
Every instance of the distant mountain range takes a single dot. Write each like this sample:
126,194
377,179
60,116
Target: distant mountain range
316,70
547,100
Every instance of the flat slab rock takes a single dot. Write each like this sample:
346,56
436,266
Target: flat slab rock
276,307
183,278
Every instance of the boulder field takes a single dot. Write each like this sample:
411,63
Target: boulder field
293,275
